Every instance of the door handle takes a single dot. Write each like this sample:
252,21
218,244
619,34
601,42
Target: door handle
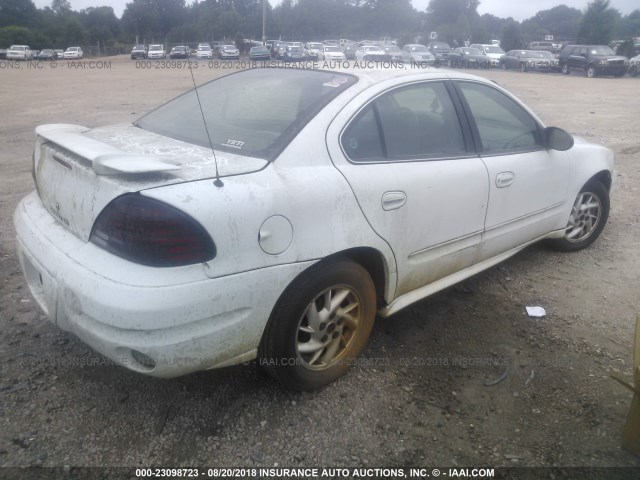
505,179
393,200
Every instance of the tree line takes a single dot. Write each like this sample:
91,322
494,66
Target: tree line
175,21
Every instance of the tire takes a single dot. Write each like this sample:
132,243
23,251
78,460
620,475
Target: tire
591,71
565,69
305,345
523,67
588,217
504,66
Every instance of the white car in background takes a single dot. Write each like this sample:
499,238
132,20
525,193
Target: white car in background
204,52
73,53
494,52
417,53
312,50
371,53
331,53
19,52
332,197
156,51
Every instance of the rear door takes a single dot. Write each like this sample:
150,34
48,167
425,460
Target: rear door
411,165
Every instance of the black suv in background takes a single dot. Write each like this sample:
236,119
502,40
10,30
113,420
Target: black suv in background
441,51
593,60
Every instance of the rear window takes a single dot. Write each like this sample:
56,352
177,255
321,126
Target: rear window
254,113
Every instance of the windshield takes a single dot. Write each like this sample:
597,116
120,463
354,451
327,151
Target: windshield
601,51
47,51
228,48
255,112
315,46
179,49
204,49
471,51
493,49
138,47
294,49
392,48
155,47
332,49
544,54
20,49
419,48
259,49
72,49
441,46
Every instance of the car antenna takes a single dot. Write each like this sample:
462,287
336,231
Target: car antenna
217,182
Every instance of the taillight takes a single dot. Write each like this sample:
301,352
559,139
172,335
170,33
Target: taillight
150,232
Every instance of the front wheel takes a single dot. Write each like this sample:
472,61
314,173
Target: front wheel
587,220
565,69
591,71
319,326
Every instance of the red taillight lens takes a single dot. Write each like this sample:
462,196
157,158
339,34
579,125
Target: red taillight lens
150,232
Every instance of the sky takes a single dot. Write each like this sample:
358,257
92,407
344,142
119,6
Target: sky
500,8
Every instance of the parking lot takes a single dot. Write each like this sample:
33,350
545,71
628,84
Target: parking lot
424,393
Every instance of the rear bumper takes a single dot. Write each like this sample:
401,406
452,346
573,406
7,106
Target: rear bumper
184,327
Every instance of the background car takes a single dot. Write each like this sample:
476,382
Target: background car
179,51
524,60
312,50
349,50
211,274
229,52
467,57
204,52
441,51
46,54
394,52
138,51
19,52
73,53
593,60
294,53
59,53
494,52
542,46
414,52
371,53
259,53
331,53
634,66
156,51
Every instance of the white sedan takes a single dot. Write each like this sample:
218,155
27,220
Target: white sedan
331,53
309,203
204,52
72,53
371,53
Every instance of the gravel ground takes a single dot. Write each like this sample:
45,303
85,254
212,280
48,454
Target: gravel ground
419,397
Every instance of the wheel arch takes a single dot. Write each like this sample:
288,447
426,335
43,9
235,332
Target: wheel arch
604,177
369,258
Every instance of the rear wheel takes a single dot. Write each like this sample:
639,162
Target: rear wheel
591,71
587,220
321,323
523,67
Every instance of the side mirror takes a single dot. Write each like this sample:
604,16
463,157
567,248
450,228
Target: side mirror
557,139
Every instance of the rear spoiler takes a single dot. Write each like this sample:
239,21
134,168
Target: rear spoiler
105,159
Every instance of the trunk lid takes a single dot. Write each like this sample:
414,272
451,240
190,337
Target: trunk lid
78,171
